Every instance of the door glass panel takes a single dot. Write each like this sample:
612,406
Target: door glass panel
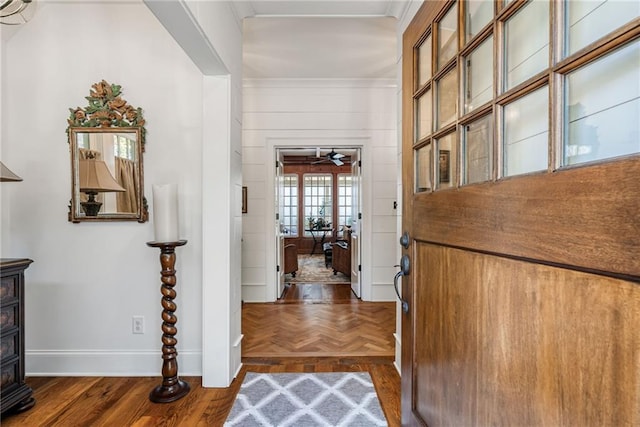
447,98
448,37
345,199
478,76
318,199
424,62
290,202
447,170
478,143
603,108
587,21
423,168
477,15
526,43
526,133
424,114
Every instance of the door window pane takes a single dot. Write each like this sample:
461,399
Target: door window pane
526,133
477,15
423,168
317,205
447,99
478,143
526,43
424,113
446,167
345,214
478,76
603,113
587,21
424,61
448,36
290,204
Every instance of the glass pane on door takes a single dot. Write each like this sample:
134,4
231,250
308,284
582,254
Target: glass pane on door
603,108
424,61
423,116
526,133
478,76
447,164
447,99
478,144
526,43
423,168
587,21
477,15
448,37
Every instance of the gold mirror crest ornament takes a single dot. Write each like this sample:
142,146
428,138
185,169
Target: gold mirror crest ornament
106,140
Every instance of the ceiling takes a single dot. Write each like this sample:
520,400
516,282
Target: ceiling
333,8
313,39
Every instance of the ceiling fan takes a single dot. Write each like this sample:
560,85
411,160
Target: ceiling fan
332,156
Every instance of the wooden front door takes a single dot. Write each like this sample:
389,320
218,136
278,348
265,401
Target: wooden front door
521,197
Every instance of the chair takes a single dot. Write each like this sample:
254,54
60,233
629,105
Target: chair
291,259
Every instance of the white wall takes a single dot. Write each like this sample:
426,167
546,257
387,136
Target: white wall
329,113
89,279
222,194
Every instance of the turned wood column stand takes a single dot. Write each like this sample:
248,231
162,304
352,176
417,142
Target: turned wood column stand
172,388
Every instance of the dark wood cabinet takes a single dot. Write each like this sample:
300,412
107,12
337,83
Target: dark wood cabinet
341,261
15,393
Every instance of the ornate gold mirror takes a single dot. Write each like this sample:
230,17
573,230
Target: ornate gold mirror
106,140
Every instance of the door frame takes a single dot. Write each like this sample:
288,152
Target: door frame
273,145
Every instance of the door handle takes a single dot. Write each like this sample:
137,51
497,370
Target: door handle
405,269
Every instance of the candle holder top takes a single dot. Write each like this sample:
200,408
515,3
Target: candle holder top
155,244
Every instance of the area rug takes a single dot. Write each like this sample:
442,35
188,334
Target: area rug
327,399
312,269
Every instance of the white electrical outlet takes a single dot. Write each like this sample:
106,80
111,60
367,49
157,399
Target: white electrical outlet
137,325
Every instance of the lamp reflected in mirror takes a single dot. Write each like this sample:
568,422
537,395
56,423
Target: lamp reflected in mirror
94,177
6,175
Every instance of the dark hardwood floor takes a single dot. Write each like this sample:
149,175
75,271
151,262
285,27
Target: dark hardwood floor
118,401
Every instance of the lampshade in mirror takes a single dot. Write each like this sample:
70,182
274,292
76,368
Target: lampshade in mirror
94,177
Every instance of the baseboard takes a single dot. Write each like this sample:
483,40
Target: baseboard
103,363
252,293
382,292
398,349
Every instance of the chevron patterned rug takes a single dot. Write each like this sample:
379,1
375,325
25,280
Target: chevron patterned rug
326,399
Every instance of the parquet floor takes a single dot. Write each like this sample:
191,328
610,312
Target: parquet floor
303,337
318,330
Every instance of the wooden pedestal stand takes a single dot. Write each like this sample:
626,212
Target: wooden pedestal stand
172,388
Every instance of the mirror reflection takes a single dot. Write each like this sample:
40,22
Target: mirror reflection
107,181
106,140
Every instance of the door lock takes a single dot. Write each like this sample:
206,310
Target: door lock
405,240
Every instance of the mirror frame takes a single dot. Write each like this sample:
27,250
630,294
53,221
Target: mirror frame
107,112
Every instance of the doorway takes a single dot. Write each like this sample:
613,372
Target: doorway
318,216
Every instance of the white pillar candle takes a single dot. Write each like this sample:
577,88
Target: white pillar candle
165,212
